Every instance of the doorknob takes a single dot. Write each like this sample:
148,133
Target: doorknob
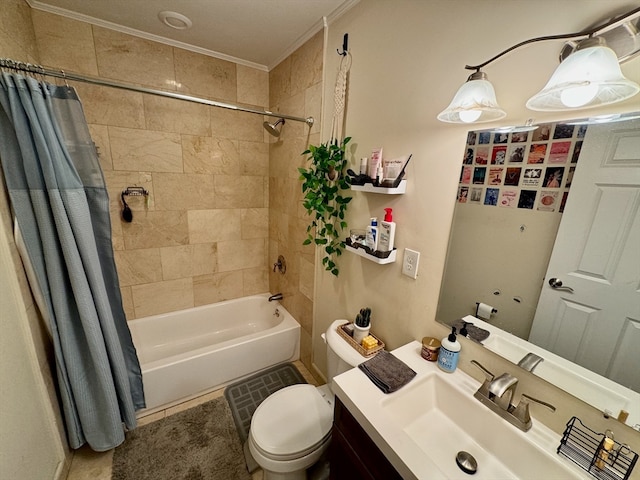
557,285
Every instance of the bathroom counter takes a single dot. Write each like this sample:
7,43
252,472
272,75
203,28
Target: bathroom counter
365,402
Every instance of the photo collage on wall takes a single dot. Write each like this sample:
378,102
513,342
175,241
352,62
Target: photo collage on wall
531,170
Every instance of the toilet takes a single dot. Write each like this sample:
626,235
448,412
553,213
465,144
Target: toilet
291,429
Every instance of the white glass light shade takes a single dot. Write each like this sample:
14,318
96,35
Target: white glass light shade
589,77
475,102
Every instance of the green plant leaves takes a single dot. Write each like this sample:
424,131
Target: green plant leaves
323,186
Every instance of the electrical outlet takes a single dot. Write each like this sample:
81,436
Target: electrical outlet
410,263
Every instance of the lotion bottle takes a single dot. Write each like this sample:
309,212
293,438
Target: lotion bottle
371,239
449,352
387,231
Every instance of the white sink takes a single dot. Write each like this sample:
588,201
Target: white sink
423,426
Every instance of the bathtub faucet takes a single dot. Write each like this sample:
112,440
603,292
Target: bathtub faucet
277,296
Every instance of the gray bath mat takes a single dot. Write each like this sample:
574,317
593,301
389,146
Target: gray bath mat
245,395
197,444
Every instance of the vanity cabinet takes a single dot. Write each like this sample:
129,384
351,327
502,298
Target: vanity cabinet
353,455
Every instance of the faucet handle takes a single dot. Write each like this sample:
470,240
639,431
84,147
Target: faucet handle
521,412
484,388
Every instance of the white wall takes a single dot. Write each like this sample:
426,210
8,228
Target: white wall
408,61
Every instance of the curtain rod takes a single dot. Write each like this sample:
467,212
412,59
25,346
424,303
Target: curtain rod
40,70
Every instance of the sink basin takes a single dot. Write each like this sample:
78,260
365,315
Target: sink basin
442,419
422,427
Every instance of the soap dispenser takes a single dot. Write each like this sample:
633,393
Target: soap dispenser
449,352
387,231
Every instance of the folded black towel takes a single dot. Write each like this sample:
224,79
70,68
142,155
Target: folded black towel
474,333
387,372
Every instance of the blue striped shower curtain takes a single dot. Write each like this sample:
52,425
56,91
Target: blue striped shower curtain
60,202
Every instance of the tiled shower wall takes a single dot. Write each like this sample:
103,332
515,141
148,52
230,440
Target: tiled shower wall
202,235
295,87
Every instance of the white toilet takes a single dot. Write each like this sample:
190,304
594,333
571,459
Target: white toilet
291,429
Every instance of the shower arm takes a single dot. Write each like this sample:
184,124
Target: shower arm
40,70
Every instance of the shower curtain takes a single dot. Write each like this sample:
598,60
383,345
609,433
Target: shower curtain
60,203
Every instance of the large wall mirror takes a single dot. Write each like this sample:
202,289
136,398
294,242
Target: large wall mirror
544,255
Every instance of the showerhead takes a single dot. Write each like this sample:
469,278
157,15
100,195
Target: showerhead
272,127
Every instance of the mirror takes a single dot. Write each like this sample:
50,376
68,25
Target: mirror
516,190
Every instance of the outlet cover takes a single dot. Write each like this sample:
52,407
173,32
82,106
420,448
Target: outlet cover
410,263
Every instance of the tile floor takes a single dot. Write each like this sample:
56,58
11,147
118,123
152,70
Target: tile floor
89,465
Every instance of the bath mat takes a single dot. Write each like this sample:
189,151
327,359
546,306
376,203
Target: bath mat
197,444
245,395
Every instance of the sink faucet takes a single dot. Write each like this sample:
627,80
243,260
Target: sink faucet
496,393
530,361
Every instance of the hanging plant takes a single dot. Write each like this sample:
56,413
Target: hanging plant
323,185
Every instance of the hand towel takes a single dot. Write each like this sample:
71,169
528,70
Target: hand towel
474,333
387,372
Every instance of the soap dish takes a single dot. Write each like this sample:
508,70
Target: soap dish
349,339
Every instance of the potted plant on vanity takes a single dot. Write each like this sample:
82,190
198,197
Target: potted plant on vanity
323,185
362,325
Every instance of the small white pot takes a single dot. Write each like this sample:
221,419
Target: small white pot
359,333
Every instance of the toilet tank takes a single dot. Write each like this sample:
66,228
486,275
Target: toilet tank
340,355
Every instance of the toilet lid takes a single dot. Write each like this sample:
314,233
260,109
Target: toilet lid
291,420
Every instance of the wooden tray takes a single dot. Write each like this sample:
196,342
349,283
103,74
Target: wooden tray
361,350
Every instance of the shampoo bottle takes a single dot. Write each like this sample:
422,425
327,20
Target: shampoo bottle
387,231
371,239
449,352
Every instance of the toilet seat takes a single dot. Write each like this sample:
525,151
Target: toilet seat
291,423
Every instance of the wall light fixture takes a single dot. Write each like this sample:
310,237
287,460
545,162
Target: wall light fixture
588,76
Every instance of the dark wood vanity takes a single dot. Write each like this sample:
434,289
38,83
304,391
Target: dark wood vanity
353,455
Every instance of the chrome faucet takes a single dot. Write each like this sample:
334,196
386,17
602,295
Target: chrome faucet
497,394
277,296
530,361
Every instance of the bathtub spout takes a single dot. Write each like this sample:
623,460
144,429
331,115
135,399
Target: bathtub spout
277,296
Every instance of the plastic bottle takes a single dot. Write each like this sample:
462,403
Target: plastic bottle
387,231
449,352
371,239
363,166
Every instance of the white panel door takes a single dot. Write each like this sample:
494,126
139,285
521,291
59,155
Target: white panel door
596,324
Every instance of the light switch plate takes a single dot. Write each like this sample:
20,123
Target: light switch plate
410,263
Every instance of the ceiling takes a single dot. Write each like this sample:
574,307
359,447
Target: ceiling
258,33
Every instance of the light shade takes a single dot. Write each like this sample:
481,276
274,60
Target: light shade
475,102
589,77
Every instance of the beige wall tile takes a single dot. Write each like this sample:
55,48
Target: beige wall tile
219,156
236,124
255,281
17,36
280,82
138,266
182,191
306,64
240,254
188,260
217,287
156,229
254,158
203,75
100,136
235,191
207,226
306,279
278,227
313,105
171,115
127,302
133,59
111,106
161,297
117,238
145,150
253,86
255,223
65,43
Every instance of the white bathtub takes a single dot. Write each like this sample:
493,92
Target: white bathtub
188,352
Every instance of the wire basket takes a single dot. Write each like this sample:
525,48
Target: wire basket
581,445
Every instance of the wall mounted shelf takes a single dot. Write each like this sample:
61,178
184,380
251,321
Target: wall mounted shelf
380,261
369,188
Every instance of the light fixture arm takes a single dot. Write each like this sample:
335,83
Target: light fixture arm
584,33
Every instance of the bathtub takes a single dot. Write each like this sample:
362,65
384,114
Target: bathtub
189,352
